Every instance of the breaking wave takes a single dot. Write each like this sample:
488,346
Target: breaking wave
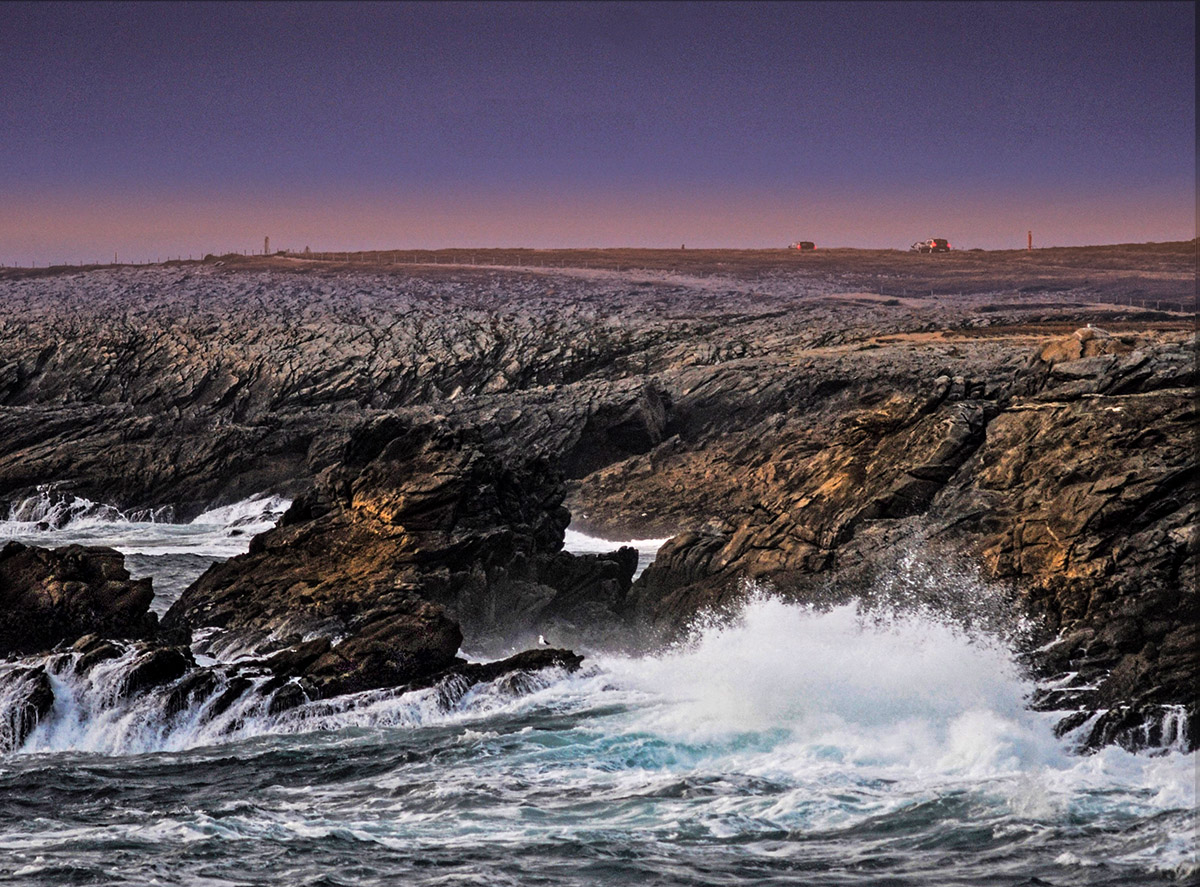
785,733
54,518
222,702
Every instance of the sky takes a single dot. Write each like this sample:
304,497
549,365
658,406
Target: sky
148,130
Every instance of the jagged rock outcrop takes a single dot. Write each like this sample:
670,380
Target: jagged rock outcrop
880,464
406,542
1078,484
50,597
797,428
1087,496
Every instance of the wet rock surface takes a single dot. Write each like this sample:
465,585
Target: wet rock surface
49,597
27,697
795,428
396,551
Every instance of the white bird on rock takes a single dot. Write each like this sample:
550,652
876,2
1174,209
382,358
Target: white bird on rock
542,641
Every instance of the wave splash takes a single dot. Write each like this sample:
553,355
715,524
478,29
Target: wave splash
858,715
847,682
54,518
848,685
784,727
51,509
98,708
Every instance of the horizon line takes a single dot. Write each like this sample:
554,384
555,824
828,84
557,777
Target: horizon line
328,255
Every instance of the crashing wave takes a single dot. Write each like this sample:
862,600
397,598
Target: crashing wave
54,517
53,508
130,698
50,508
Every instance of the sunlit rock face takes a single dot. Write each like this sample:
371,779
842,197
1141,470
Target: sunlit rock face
436,522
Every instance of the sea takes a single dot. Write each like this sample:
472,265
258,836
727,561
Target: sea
783,746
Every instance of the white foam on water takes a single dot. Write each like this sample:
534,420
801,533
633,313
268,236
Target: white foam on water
822,700
252,513
92,713
53,520
843,717
47,511
782,682
905,689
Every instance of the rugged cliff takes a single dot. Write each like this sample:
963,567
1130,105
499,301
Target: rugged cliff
791,427
1073,481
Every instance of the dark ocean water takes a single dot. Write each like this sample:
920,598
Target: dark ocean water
791,747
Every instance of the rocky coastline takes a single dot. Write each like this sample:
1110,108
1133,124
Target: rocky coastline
792,427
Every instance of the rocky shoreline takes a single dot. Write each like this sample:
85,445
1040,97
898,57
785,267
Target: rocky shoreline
439,429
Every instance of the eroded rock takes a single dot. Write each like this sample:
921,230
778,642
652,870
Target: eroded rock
56,596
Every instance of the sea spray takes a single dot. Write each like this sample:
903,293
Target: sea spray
909,689
49,508
53,518
786,745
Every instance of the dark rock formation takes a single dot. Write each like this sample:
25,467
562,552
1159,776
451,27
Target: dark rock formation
51,597
154,666
522,663
94,650
396,549
788,426
28,698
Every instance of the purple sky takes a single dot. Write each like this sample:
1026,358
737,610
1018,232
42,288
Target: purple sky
159,130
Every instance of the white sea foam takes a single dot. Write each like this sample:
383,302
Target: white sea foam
782,689
841,718
91,713
906,690
261,511
54,519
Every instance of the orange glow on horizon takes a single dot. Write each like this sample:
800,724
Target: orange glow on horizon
72,230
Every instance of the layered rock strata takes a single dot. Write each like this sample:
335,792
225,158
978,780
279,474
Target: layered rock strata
795,428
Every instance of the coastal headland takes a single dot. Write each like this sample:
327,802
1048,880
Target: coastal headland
1007,438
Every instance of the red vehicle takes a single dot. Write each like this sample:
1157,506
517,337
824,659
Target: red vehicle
932,245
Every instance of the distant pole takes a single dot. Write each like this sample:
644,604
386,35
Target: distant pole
1029,243
266,246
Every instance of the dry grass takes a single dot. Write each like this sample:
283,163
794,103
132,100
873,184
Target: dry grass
1119,272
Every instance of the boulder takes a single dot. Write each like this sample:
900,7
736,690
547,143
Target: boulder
51,597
